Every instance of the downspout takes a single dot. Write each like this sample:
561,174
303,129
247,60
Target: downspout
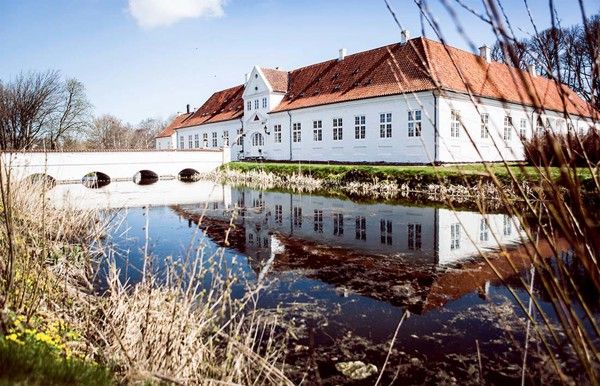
290,131
242,135
435,128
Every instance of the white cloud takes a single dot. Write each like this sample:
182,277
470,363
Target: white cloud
156,13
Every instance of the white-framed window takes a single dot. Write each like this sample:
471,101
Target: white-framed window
240,137
190,141
205,139
215,142
455,123
297,132
317,130
278,214
181,142
338,224
523,128
196,140
485,128
226,138
361,228
297,217
338,130
264,103
507,225
249,105
277,133
318,221
454,236
385,125
256,104
539,125
414,123
360,126
507,127
385,229
258,139
414,237
484,233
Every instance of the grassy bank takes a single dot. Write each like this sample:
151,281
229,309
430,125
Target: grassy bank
469,173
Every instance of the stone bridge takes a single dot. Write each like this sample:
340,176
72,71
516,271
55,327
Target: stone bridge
113,165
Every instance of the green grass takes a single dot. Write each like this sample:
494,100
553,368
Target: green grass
410,173
37,364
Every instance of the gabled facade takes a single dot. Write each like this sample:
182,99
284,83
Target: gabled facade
413,102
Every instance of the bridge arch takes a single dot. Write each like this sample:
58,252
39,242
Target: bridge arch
95,180
145,177
187,175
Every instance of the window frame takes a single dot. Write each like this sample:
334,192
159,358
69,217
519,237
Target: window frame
277,133
455,124
360,127
317,130
297,132
415,125
338,129
485,126
385,125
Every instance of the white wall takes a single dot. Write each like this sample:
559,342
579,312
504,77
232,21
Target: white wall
231,126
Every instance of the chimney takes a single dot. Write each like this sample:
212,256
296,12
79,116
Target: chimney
532,71
188,108
404,36
343,53
485,53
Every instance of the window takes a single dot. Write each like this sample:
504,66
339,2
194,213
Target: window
361,228
454,236
297,218
317,131
338,224
277,133
214,139
190,143
205,139
297,132
249,105
196,140
256,104
539,125
337,129
226,138
455,123
318,221
507,228
385,227
278,214
240,137
507,127
258,139
360,127
414,123
264,103
523,128
181,142
483,230
414,237
385,125
485,129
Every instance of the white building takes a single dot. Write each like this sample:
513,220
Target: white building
417,101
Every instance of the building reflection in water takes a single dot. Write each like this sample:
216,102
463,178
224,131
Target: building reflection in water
418,257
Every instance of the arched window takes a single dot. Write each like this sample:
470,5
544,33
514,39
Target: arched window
258,140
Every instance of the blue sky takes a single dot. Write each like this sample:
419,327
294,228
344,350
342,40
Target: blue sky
149,58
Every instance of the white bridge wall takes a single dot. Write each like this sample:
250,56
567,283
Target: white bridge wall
118,165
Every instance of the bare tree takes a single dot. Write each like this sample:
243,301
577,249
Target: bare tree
147,130
514,53
108,132
26,107
72,116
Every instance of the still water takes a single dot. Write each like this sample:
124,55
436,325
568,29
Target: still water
347,272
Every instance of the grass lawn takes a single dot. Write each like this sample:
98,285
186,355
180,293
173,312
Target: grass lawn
425,173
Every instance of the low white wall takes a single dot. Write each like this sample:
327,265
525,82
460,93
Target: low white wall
118,165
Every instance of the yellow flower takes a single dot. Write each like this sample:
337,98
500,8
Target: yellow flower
13,337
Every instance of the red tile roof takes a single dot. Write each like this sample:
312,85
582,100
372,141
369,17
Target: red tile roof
221,106
277,79
175,123
419,65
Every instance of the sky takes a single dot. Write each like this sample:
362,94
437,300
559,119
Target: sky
149,58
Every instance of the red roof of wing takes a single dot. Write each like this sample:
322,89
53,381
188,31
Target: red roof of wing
458,70
223,105
175,123
388,70
277,78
